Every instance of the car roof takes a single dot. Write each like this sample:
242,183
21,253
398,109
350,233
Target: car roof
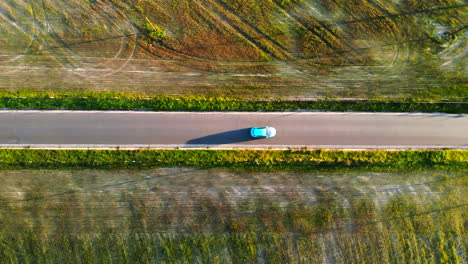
260,131
264,131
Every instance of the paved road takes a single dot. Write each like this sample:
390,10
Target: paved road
295,129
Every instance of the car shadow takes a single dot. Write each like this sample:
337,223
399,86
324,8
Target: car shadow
228,137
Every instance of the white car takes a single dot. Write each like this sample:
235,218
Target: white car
263,132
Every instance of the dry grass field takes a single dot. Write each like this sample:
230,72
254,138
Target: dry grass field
226,216
289,48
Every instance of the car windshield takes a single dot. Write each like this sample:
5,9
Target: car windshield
271,131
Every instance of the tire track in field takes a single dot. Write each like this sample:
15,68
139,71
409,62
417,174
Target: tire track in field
311,29
212,21
178,54
164,51
396,14
11,19
188,60
399,46
60,50
227,19
386,15
54,42
365,59
324,24
345,42
328,28
352,49
391,15
207,16
172,51
118,21
261,35
73,59
237,63
204,59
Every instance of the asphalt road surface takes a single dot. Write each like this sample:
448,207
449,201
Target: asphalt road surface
231,130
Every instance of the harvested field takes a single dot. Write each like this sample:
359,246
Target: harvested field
188,214
323,48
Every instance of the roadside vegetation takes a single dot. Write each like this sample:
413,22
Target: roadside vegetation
141,102
177,215
241,159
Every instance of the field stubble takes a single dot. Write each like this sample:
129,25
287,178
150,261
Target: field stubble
359,49
229,216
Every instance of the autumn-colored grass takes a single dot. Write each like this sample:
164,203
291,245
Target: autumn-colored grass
223,216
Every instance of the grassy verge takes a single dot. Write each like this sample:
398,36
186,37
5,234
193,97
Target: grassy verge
122,101
243,159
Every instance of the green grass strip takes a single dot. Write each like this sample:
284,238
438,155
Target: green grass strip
242,159
123,101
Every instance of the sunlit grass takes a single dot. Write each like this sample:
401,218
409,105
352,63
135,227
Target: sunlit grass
241,159
142,102
223,216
